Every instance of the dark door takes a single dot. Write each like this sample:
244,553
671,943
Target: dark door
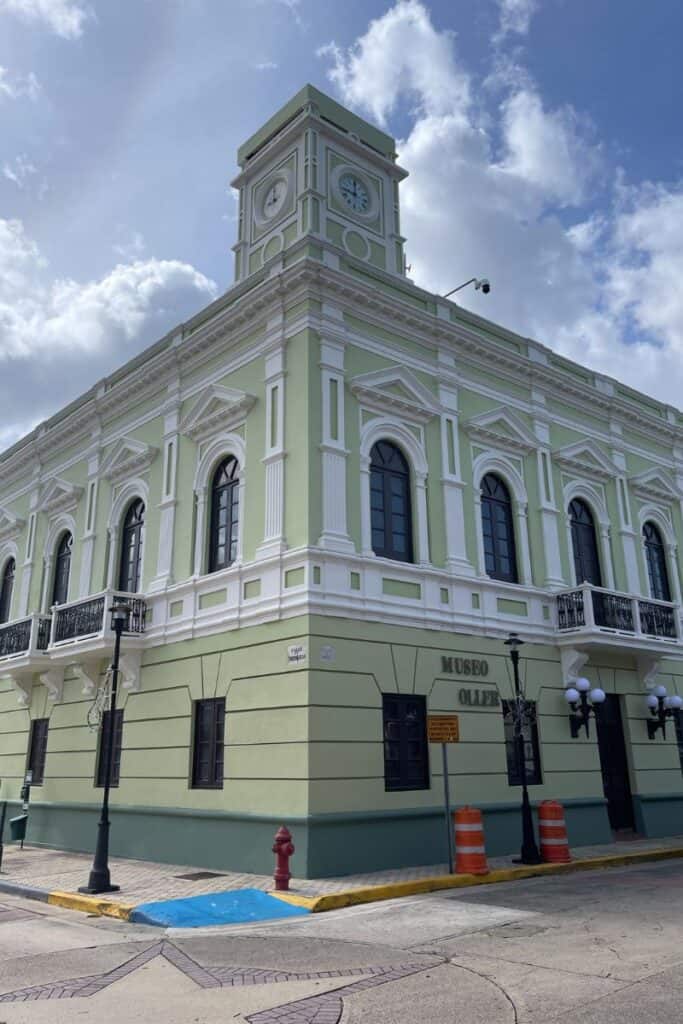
586,560
614,765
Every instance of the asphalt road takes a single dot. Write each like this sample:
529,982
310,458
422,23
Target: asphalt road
604,947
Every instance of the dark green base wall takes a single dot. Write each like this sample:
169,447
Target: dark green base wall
334,844
658,816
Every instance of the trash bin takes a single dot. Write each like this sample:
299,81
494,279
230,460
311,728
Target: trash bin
17,827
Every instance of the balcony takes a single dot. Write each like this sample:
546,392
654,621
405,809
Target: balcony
86,624
25,638
602,617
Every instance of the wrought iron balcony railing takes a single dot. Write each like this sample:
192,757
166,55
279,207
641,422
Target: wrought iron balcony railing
587,607
25,636
91,617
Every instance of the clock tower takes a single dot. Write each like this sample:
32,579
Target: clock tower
317,172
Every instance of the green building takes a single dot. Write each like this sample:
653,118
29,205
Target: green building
334,495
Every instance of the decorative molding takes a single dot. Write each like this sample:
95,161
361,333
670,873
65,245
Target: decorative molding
218,409
127,457
502,428
654,485
59,496
396,390
10,525
572,661
53,679
586,459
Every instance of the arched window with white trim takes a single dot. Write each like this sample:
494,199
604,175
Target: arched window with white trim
584,544
390,511
500,556
130,559
62,571
224,523
655,556
7,589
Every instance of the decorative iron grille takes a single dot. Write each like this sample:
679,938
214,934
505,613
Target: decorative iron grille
138,613
15,638
570,610
82,619
657,619
613,611
43,632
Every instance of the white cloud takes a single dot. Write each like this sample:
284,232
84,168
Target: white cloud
131,249
266,65
95,317
19,171
63,17
492,192
14,87
515,16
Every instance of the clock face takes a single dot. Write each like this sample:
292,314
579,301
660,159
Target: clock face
355,193
274,198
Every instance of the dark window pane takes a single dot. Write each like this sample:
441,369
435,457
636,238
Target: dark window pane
223,529
498,530
7,588
131,547
38,749
209,744
406,764
60,586
657,571
390,503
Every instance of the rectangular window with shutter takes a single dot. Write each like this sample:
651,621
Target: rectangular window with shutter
209,743
104,748
406,762
38,749
532,750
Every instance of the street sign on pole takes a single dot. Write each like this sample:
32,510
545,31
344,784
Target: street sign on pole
445,729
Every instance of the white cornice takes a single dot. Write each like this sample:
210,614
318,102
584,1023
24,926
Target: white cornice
59,496
127,457
654,485
217,409
10,525
410,399
502,428
585,458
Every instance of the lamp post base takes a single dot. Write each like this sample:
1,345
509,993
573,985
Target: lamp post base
528,859
94,889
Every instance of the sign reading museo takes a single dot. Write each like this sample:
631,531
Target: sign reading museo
464,666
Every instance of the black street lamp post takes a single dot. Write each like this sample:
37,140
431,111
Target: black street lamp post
529,853
100,880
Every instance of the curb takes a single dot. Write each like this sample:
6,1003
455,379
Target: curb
367,894
394,890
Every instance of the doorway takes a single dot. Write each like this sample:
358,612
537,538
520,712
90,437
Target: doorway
614,765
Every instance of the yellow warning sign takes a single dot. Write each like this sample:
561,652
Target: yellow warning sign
443,728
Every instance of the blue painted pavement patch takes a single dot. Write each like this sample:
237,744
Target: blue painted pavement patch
234,907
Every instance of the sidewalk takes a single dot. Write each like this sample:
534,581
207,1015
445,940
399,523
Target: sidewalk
57,872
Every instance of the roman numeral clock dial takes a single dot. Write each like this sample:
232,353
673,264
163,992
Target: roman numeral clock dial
354,193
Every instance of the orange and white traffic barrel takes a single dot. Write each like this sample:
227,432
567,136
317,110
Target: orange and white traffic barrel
470,852
552,830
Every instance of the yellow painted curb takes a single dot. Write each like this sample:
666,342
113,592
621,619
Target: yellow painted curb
90,905
295,900
415,887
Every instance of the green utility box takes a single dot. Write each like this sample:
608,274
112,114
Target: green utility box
17,827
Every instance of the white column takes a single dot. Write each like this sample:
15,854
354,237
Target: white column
365,522
333,449
90,532
606,556
168,503
629,542
200,531
674,576
274,542
452,485
481,558
554,576
27,568
523,541
422,522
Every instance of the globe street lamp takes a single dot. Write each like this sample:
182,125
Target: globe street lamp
522,715
100,880
661,707
580,710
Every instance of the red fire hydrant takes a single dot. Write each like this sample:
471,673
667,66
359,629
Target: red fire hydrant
283,850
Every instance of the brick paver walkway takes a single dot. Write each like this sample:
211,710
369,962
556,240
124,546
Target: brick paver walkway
145,881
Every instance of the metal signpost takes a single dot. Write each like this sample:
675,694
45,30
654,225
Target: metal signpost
445,729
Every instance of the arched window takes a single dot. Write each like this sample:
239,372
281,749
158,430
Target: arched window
498,531
584,544
391,521
225,494
131,547
6,591
60,584
656,563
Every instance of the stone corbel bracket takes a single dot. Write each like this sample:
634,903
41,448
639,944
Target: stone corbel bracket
23,685
572,662
53,679
129,667
88,672
648,669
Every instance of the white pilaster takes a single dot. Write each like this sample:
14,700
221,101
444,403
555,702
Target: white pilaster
422,522
168,503
90,532
554,576
333,449
523,541
27,568
452,485
274,542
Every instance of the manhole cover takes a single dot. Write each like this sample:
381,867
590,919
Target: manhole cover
200,876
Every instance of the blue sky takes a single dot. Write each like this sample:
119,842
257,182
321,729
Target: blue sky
543,140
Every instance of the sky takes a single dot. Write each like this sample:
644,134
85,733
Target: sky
543,139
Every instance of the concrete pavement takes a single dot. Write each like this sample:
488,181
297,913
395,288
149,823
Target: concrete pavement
604,947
